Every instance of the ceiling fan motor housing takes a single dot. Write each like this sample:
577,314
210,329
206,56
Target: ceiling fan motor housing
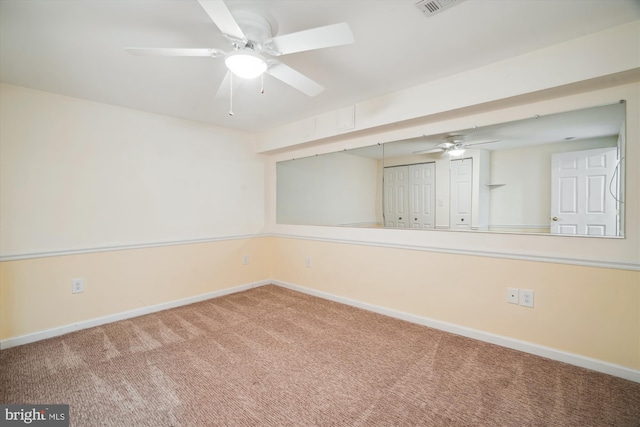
255,27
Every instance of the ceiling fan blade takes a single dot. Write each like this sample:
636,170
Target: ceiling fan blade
225,89
429,151
315,38
433,148
471,144
295,79
152,51
224,20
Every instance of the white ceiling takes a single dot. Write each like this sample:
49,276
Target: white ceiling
76,48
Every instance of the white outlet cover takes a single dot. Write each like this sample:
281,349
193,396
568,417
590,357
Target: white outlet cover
526,297
512,295
77,286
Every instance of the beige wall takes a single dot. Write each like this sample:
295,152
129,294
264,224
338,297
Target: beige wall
593,312
35,294
587,311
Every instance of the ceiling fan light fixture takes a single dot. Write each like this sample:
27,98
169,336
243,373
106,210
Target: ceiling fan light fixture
245,64
456,152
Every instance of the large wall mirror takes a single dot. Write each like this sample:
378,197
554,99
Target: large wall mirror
557,174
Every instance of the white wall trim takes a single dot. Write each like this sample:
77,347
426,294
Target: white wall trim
98,321
511,255
63,252
527,347
473,252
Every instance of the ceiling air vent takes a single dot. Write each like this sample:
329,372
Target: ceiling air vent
431,7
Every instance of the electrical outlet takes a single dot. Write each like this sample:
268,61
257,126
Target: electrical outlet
526,297
77,285
245,259
308,260
512,295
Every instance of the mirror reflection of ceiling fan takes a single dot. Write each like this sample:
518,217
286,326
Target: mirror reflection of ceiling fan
453,145
253,45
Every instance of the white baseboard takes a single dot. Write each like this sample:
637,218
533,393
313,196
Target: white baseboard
61,330
527,347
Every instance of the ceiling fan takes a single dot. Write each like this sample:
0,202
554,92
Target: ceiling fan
253,45
453,145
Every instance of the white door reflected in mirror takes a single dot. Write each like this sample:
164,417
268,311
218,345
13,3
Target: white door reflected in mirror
585,192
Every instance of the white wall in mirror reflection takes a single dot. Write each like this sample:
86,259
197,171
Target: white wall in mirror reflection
339,189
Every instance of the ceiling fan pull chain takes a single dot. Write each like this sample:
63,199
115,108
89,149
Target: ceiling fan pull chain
262,83
231,94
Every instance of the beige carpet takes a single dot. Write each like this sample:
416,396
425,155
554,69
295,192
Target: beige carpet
273,357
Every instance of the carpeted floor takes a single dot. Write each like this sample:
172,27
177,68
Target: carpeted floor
274,357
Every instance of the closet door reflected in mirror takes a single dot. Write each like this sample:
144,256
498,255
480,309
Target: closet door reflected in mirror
409,196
